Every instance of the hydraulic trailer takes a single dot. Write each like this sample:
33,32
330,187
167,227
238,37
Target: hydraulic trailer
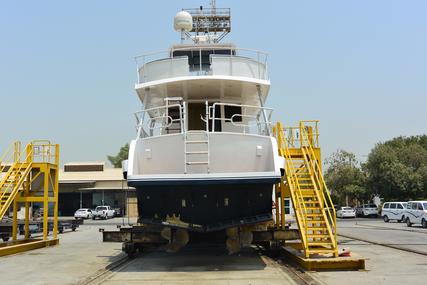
36,227
136,238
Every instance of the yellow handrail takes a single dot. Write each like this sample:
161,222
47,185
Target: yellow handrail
319,180
45,155
293,182
12,189
9,155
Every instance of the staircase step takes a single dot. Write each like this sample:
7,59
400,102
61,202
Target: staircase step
314,215
325,235
319,243
311,202
316,222
194,142
196,162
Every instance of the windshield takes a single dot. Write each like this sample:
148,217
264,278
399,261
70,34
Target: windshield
101,208
347,208
81,210
371,206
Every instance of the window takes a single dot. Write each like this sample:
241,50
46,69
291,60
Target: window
425,205
393,206
419,206
399,206
414,206
409,206
386,206
233,110
287,206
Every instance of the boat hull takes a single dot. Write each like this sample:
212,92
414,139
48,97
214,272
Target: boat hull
204,205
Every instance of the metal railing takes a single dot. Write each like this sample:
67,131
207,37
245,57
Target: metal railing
20,165
239,62
295,139
251,119
247,120
309,141
158,121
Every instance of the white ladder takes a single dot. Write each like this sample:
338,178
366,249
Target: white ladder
196,151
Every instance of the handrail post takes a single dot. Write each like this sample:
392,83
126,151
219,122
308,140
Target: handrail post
17,151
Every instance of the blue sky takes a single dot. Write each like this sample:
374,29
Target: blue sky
67,71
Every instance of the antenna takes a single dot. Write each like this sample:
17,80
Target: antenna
208,25
213,6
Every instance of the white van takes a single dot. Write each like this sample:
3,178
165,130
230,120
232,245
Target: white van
394,211
416,213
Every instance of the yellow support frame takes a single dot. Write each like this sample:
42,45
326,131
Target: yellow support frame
41,165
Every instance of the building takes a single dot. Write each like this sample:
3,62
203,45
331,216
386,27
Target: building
91,184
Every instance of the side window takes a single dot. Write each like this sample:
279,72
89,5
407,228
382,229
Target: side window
233,110
392,206
414,206
386,206
408,206
399,206
419,206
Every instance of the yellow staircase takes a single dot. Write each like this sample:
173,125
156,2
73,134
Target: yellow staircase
303,182
13,175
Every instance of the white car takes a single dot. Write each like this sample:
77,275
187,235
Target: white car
346,212
367,210
83,214
416,213
394,211
103,212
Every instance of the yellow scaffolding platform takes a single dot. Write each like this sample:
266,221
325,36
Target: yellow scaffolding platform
302,181
25,178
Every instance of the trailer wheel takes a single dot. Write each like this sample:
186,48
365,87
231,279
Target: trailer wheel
129,249
5,237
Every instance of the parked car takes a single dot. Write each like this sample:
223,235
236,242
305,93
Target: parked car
117,212
83,214
103,212
416,213
367,210
346,212
394,211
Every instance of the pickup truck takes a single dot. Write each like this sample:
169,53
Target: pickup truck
103,212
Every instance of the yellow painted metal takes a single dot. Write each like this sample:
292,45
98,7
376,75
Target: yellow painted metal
303,182
17,186
13,247
320,263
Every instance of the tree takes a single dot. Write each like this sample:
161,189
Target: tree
345,178
397,169
116,160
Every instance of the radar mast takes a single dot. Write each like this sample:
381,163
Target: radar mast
208,25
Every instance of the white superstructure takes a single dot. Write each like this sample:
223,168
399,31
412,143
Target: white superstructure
203,119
